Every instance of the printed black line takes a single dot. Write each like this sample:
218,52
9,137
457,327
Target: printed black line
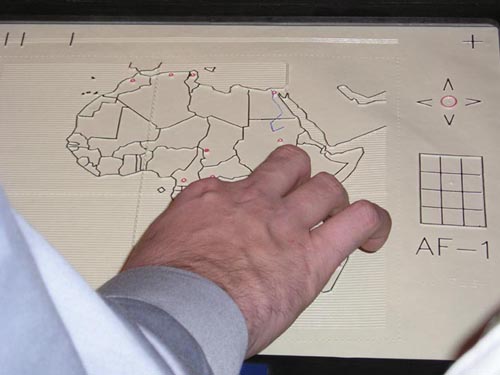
473,101
133,110
456,225
484,193
98,108
248,108
424,102
306,117
453,173
420,187
454,208
219,163
198,151
342,266
448,82
6,39
71,39
110,94
218,118
359,136
454,155
119,123
462,189
180,122
353,99
22,39
273,118
441,190
453,191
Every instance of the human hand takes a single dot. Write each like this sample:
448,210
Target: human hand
258,238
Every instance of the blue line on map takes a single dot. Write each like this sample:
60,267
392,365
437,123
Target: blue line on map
279,116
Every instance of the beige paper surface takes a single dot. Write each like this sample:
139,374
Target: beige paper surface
102,124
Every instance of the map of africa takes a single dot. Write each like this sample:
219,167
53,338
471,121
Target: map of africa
168,123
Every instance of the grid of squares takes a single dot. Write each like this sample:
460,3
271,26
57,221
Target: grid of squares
452,190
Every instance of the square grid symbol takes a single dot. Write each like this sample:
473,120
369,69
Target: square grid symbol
452,190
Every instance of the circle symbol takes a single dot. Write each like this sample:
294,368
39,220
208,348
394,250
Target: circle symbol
280,140
184,179
170,74
449,101
132,80
206,150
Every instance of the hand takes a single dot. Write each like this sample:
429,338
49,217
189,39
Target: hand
254,238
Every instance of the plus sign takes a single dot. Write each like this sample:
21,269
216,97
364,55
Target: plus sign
472,41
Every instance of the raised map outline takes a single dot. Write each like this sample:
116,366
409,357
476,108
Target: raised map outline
304,138
361,99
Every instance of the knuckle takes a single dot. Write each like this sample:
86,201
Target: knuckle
249,194
211,198
291,151
368,213
205,185
331,183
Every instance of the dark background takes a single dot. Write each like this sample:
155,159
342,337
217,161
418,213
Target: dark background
272,10
157,9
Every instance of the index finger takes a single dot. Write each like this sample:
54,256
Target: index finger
286,168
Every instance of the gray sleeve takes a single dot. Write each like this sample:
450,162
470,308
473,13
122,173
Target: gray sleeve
186,313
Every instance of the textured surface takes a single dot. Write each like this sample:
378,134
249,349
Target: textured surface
386,95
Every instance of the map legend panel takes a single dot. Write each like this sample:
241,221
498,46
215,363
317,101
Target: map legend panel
452,190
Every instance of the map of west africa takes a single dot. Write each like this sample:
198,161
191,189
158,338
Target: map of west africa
168,123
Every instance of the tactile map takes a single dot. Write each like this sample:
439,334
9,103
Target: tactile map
102,125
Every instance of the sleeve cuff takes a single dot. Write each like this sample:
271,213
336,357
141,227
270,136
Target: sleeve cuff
200,306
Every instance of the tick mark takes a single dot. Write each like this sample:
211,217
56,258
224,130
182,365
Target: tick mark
472,41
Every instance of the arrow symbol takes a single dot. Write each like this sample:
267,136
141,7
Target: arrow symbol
449,121
424,102
473,101
448,83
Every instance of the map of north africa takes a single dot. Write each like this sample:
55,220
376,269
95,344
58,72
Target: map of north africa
168,123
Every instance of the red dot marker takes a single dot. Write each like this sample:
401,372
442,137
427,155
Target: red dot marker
193,74
183,179
273,92
170,74
206,150
212,176
132,80
449,101
280,140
